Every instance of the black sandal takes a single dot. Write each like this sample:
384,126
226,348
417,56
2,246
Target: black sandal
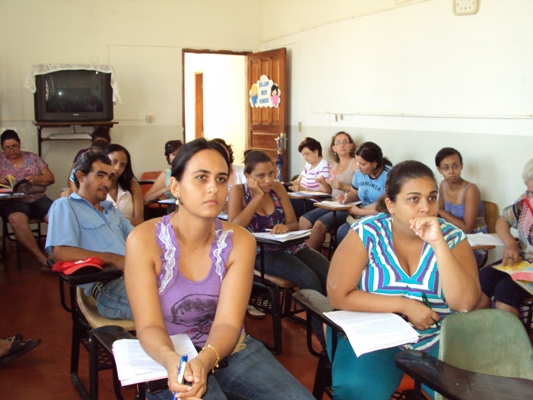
18,348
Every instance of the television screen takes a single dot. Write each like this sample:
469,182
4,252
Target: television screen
73,95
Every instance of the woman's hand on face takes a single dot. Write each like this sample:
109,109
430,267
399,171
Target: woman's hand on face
280,229
511,254
421,316
427,228
253,186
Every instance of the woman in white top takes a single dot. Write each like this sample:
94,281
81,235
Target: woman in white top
314,176
161,185
320,220
125,192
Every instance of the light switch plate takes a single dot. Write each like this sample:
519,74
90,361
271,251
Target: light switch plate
465,7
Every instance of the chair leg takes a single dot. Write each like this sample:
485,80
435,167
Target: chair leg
321,376
93,366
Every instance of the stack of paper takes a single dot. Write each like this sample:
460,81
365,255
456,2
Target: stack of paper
309,193
483,239
336,204
282,237
135,366
369,332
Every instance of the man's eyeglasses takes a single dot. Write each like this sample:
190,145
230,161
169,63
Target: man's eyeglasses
343,143
14,147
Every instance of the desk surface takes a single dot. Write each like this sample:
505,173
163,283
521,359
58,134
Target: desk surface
12,196
339,207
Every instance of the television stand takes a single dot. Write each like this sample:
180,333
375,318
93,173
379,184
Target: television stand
41,125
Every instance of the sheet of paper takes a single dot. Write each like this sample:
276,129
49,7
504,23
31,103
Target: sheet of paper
134,365
305,193
283,237
335,203
484,239
368,332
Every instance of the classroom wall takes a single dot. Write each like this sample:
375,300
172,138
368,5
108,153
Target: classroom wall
141,39
413,77
408,74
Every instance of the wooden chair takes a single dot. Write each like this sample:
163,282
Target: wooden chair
316,304
85,318
491,215
153,210
9,235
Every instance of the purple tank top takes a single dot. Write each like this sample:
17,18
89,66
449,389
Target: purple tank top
189,306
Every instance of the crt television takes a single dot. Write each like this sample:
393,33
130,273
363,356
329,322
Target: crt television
73,95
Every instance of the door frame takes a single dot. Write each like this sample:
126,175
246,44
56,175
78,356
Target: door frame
203,51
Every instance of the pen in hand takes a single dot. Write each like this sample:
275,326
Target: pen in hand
181,369
345,196
426,302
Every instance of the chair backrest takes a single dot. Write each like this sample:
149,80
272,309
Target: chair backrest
491,215
487,341
150,175
88,307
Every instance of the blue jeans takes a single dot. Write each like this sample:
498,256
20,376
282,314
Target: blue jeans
252,374
342,232
326,217
307,268
372,376
112,300
499,286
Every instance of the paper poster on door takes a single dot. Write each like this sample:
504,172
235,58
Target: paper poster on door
265,93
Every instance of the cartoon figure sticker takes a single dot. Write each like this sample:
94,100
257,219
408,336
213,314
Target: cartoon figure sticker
265,93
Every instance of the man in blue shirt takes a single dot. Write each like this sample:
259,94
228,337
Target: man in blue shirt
85,225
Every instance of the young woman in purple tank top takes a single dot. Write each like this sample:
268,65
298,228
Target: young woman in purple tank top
190,272
459,200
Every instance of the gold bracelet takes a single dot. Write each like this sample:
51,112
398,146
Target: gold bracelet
208,346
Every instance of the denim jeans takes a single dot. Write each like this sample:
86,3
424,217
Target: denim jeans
342,232
326,217
112,300
252,374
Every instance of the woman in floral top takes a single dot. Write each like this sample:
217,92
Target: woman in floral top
25,165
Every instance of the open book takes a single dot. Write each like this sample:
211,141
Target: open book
12,186
369,332
282,237
522,271
134,365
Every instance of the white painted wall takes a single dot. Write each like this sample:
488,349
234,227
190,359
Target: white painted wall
142,39
224,78
414,78
370,60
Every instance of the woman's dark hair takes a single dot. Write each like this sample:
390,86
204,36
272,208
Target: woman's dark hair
101,133
446,152
171,146
398,176
254,157
85,163
228,148
334,155
9,134
371,152
311,144
274,87
123,180
189,149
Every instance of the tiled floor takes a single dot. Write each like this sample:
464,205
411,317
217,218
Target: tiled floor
29,303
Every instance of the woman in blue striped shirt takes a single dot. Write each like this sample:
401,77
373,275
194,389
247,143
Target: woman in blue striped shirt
388,263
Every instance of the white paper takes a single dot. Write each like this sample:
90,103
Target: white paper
484,239
336,204
305,193
134,365
369,332
283,237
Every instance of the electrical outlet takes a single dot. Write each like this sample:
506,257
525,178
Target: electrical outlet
150,118
465,7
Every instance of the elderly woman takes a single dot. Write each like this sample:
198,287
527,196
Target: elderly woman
498,285
25,165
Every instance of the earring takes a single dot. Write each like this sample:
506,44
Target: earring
178,201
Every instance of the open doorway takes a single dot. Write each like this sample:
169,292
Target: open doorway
223,89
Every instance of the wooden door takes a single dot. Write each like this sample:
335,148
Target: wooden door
199,104
267,104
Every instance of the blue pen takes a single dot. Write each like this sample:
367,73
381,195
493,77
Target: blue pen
181,368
